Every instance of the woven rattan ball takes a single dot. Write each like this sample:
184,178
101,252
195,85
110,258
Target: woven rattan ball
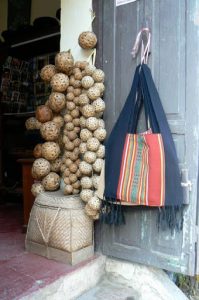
43,113
100,86
70,96
73,178
59,82
77,84
92,144
73,168
47,72
68,189
76,185
37,188
55,165
90,157
76,100
37,152
82,122
101,151
79,174
58,120
86,182
92,123
93,93
88,111
76,122
77,129
87,40
78,75
94,203
72,135
50,150
66,180
31,123
70,89
62,168
85,134
41,167
83,100
82,148
98,75
65,138
51,182
64,61
87,82
101,123
77,142
66,172
68,118
95,179
85,168
74,156
75,113
69,126
68,162
99,105
89,69
57,101
83,65
98,164
69,146
76,191
100,134
70,105
89,211
50,131
76,150
77,92
86,195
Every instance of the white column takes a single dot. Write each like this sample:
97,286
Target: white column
76,17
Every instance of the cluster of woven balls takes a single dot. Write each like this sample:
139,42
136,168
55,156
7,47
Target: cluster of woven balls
50,121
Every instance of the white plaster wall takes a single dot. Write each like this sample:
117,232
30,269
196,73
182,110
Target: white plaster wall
75,17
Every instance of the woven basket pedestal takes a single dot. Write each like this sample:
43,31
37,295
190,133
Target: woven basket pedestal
59,229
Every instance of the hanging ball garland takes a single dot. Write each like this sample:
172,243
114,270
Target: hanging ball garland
50,150
59,82
50,131
64,61
47,72
87,40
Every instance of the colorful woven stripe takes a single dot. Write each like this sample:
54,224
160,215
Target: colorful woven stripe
142,173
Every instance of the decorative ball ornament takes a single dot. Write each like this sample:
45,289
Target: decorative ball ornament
73,168
86,195
90,69
43,113
83,100
76,185
41,167
58,120
82,148
97,166
88,111
93,93
90,157
77,92
51,181
37,152
98,75
89,211
85,168
100,86
94,203
101,123
96,217
50,150
66,172
70,105
87,40
96,179
72,135
75,113
68,189
57,101
101,151
55,165
68,118
86,182
92,123
69,126
76,122
75,191
64,61
82,121
50,131
37,188
100,134
85,134
92,144
59,82
47,72
99,105
87,82
72,178
31,123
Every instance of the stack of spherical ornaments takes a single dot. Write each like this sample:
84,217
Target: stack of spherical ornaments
74,112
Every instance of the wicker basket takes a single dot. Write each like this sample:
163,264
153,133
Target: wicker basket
59,229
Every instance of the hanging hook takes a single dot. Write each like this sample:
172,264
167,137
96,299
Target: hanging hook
140,40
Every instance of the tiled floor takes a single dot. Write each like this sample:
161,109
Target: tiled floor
22,273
